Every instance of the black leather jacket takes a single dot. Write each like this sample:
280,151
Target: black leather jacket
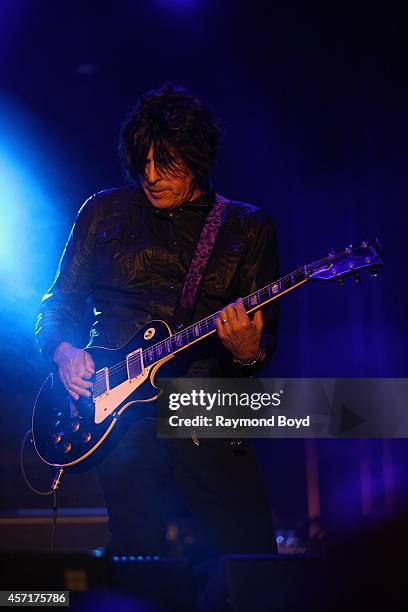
126,261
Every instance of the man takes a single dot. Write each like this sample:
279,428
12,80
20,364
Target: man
127,258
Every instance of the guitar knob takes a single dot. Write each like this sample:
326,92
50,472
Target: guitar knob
86,437
75,426
57,438
67,447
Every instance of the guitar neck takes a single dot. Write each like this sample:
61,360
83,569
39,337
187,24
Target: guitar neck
201,329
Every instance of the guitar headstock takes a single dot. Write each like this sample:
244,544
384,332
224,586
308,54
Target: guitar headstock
366,255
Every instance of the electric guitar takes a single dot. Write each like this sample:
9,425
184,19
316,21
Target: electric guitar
67,432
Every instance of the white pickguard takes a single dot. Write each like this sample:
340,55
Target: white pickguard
107,403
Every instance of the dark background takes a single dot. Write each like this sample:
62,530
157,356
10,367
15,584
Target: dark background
312,99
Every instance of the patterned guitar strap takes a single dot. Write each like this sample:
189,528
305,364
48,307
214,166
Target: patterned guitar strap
196,272
185,308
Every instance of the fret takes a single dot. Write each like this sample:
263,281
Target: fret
265,293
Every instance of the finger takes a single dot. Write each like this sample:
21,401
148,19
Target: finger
222,315
239,305
78,390
242,315
88,374
89,362
77,368
258,321
225,323
231,313
80,382
89,366
73,377
220,328
231,325
64,379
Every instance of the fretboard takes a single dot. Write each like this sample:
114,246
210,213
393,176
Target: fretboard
201,329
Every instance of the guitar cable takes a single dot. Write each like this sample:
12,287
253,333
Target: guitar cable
53,491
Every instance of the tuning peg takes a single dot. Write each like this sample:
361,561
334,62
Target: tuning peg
374,272
357,277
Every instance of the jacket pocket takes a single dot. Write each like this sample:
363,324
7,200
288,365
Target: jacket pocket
107,234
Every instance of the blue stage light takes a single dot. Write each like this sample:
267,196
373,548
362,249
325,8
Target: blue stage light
30,228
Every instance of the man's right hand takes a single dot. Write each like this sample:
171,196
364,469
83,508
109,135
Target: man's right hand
75,368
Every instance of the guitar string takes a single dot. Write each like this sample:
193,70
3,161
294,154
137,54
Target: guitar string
113,370
168,344
210,320
263,290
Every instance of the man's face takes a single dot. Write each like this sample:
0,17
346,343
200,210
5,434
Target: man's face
166,190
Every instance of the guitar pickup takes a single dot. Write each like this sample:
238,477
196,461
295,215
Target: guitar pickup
134,364
101,384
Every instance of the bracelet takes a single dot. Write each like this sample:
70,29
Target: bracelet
260,356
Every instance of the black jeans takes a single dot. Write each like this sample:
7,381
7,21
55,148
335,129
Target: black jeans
218,480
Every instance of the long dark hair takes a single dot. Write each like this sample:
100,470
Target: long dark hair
181,129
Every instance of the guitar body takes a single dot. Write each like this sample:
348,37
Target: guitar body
65,431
